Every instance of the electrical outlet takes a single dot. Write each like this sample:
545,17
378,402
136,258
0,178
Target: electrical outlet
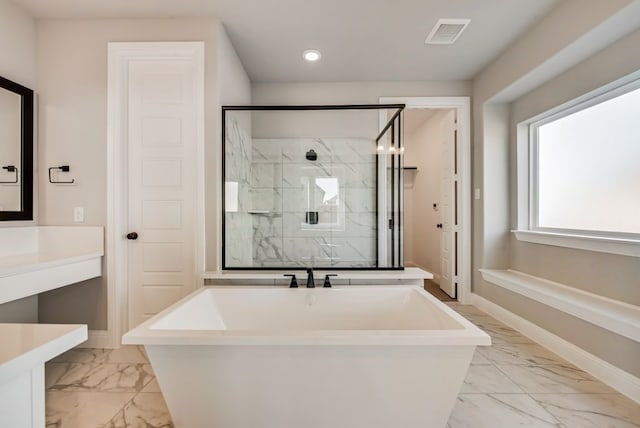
78,214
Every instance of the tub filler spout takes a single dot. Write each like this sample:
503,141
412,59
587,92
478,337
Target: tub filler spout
310,283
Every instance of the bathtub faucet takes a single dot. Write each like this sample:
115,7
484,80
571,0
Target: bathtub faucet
310,283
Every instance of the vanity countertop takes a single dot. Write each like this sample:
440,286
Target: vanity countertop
25,346
40,258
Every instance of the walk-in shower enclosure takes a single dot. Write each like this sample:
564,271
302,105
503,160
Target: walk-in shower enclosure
312,186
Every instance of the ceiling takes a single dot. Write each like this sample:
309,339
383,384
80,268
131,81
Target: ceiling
360,40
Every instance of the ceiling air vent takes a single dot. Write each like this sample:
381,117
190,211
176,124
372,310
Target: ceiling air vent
446,31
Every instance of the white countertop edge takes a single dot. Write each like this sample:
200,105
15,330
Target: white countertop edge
24,263
76,334
407,273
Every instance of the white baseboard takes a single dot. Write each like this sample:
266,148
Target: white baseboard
611,375
98,339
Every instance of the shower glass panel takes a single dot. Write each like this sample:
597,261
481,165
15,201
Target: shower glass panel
304,186
391,147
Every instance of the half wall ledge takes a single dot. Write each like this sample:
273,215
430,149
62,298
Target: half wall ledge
616,316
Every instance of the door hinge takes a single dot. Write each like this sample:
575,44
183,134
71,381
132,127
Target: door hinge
390,223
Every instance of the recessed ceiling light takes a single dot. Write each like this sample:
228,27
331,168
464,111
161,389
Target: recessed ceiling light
311,55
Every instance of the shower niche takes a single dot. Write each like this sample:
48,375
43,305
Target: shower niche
312,186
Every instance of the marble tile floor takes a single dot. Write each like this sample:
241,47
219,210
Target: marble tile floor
513,383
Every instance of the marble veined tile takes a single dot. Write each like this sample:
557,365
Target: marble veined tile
266,226
364,264
523,353
101,377
82,409
300,199
353,150
267,199
264,150
126,354
488,379
295,149
358,200
267,249
499,332
295,175
146,410
354,249
553,379
312,251
467,310
478,358
153,386
591,410
81,355
266,175
359,175
499,411
358,225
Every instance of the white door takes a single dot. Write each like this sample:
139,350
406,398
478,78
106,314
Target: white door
162,178
447,208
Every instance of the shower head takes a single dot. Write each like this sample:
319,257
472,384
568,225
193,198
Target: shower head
311,155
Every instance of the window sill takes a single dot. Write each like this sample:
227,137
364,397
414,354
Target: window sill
625,247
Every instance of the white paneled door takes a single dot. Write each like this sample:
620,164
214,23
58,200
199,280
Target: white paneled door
162,181
447,208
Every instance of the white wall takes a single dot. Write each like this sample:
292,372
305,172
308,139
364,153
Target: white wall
558,59
352,92
423,149
17,53
17,45
72,76
234,88
23,311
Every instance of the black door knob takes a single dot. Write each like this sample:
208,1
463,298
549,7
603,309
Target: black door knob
439,225
132,235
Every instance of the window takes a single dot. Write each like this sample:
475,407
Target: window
584,165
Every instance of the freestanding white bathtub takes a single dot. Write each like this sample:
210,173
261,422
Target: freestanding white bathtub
352,357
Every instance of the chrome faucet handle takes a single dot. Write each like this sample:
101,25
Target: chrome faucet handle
294,281
327,281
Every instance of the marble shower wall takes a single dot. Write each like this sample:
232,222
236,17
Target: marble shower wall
238,221
339,186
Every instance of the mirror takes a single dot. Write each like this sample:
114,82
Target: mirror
16,151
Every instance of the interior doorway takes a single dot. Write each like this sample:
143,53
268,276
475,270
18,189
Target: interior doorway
429,202
437,193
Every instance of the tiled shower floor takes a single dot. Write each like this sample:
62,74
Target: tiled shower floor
513,383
